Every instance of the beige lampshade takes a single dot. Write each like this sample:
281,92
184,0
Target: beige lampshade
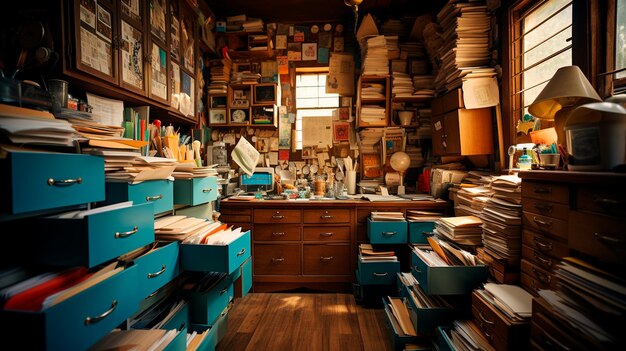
568,87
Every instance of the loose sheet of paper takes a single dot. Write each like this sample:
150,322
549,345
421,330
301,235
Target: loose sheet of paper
246,156
480,92
318,131
110,111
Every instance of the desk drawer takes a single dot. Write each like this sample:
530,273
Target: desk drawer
335,233
215,258
326,259
212,335
327,216
420,231
539,259
270,232
93,239
377,273
546,191
549,335
426,320
277,216
157,268
195,191
534,278
544,224
598,236
546,208
497,329
277,259
205,307
544,244
398,339
158,192
447,280
66,326
387,232
609,201
40,181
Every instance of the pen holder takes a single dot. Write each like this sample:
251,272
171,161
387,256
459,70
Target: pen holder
549,161
351,182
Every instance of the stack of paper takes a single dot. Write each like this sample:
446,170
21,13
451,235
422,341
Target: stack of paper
466,335
180,227
136,339
372,90
387,216
422,216
512,300
470,201
402,86
44,131
464,230
367,253
424,86
128,166
502,230
190,170
374,51
398,314
508,187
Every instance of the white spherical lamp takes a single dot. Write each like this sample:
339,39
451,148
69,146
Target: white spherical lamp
400,162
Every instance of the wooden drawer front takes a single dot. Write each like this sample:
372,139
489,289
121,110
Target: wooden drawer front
547,336
544,224
277,216
228,218
327,216
539,259
502,334
326,259
609,201
546,208
599,236
450,101
275,259
534,278
225,210
268,232
545,191
544,244
327,233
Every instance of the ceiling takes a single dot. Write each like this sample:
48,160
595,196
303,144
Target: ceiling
317,10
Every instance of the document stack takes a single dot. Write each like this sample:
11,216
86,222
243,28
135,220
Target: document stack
465,37
466,335
508,188
220,75
425,130
502,230
189,170
513,301
244,77
471,201
402,86
424,86
372,91
367,253
393,51
374,51
128,166
373,115
463,230
252,25
40,131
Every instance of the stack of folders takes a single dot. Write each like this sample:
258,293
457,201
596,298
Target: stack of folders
422,216
367,253
590,300
422,300
502,229
373,114
402,86
398,313
191,230
465,335
512,300
463,230
136,339
189,170
442,253
128,166
387,216
508,188
33,130
470,201
157,315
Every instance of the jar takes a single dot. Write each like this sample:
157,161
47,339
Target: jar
320,186
220,155
72,103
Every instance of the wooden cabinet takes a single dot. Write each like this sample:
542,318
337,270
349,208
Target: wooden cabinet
460,131
245,104
373,101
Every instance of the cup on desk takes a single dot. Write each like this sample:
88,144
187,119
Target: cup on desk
58,91
351,182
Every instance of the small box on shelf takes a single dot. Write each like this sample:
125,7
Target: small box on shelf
264,115
265,93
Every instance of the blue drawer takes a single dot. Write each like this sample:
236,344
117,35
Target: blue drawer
93,239
213,334
195,191
205,307
386,232
426,320
215,258
378,273
443,340
419,231
64,326
40,181
398,339
157,268
179,343
158,192
447,280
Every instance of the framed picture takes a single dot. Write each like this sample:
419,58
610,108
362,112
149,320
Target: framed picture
309,51
263,144
341,131
309,152
217,101
264,93
217,116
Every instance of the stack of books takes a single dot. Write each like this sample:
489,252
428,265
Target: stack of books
374,51
402,86
219,76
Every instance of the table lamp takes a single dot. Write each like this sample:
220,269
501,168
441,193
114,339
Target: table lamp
400,162
567,89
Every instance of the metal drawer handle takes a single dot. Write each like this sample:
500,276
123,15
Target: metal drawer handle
278,234
552,343
154,198
416,269
380,274
390,233
207,190
154,275
327,258
608,240
151,295
122,235
543,261
326,216
489,336
240,253
92,320
428,233
278,260
327,234
484,319
543,246
278,216
52,181
542,277
223,291
608,203
542,222
542,190
543,207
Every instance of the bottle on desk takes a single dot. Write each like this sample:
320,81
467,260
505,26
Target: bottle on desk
525,161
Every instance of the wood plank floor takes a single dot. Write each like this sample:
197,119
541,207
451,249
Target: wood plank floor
304,321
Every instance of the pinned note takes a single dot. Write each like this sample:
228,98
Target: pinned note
480,92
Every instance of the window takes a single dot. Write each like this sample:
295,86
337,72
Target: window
312,100
542,43
620,38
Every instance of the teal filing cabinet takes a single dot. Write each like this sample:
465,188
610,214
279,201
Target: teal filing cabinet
386,232
158,192
195,191
215,258
447,280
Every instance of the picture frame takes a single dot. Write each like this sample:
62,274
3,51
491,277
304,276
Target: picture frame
309,51
264,93
341,131
262,144
217,116
309,152
217,101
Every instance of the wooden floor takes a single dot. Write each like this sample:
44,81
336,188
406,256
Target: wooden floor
306,321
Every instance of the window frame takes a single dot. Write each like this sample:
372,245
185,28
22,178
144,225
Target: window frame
611,85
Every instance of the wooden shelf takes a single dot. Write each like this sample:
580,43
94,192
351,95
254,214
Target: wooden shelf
416,99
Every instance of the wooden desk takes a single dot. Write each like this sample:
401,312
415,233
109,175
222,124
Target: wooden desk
311,244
